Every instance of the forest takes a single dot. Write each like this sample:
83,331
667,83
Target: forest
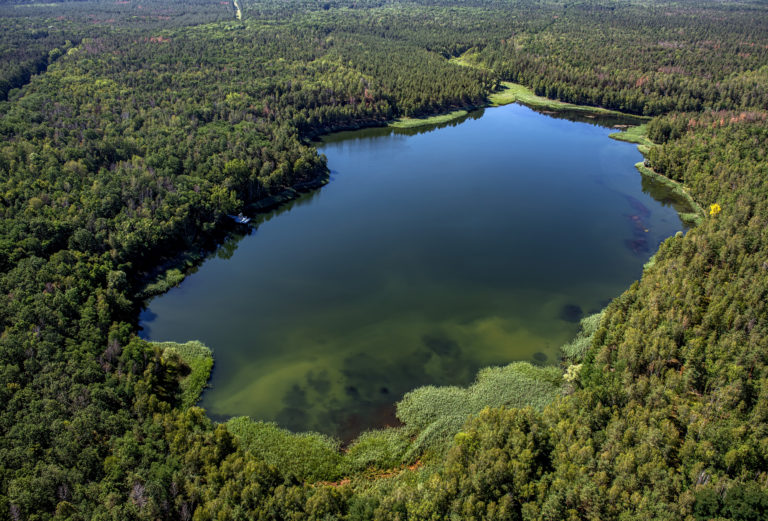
131,129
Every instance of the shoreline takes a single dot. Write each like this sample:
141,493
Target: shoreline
517,93
407,122
697,213
172,271
278,200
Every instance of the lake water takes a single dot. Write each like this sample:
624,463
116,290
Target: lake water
428,256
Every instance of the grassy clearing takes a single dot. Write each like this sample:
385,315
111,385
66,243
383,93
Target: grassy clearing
199,359
436,414
637,135
695,216
516,93
464,61
434,120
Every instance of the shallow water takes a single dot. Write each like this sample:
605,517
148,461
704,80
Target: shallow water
427,256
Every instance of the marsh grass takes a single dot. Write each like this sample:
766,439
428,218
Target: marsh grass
434,120
377,450
307,456
436,414
432,417
162,284
199,359
637,135
574,351
317,457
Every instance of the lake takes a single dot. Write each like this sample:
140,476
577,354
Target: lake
429,255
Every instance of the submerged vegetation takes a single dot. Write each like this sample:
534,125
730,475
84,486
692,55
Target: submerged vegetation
131,131
431,417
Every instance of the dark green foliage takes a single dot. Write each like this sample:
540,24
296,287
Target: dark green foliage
492,471
694,352
742,502
131,130
639,59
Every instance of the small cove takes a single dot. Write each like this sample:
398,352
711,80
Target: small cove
430,254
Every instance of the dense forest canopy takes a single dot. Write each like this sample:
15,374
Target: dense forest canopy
131,129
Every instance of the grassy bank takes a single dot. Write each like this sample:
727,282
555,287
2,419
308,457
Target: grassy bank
434,415
516,93
695,216
575,350
433,120
637,135
165,280
308,456
312,457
